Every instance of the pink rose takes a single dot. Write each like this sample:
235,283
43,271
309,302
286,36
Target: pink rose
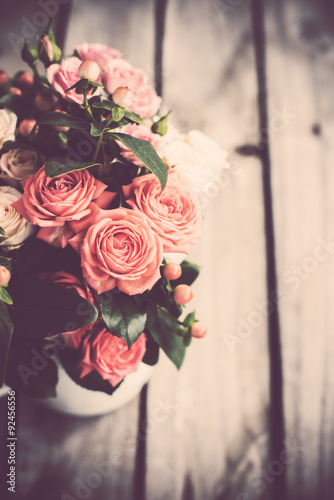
97,52
120,250
110,356
120,73
63,76
173,213
141,132
146,102
73,338
51,202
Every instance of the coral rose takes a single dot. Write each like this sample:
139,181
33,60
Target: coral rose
52,202
121,250
110,356
173,213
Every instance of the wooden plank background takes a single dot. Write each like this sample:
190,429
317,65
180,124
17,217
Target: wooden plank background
258,78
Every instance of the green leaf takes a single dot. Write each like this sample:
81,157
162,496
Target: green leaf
160,127
16,145
124,315
63,120
6,262
151,356
146,153
2,232
58,165
117,113
189,274
167,333
97,131
4,296
104,105
42,308
30,369
6,331
133,117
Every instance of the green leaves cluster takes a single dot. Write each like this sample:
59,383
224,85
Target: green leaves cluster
155,313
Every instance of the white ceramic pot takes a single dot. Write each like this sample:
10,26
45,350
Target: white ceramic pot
77,401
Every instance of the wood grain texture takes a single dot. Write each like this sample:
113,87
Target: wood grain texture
216,436
300,56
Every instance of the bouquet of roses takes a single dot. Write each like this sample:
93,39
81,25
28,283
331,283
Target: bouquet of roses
98,208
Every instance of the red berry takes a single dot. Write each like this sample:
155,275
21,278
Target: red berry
26,127
4,276
3,77
183,294
198,330
25,80
172,271
15,90
44,102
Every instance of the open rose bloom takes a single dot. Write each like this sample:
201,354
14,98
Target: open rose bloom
96,198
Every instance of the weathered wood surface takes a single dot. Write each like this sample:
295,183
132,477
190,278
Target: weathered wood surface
208,430
300,57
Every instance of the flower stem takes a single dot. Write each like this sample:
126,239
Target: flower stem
99,142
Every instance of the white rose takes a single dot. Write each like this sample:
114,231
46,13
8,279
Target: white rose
197,158
18,164
8,121
17,228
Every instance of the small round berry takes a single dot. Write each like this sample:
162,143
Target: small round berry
3,77
15,90
89,70
198,330
183,294
172,271
25,80
44,102
123,97
26,127
4,276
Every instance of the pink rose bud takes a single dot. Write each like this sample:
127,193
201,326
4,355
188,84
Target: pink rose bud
25,80
123,97
15,90
3,77
183,294
89,70
48,47
4,276
26,127
44,102
198,330
172,271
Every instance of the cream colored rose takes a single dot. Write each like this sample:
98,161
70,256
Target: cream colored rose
197,158
18,164
17,228
8,121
